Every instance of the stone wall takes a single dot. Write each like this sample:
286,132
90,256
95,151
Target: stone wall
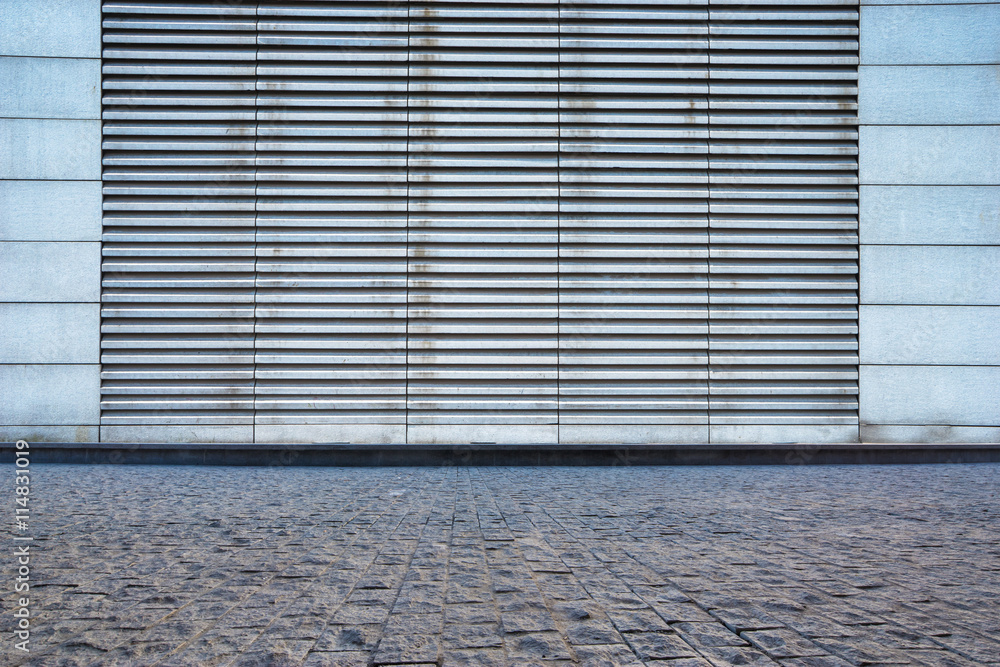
930,222
50,219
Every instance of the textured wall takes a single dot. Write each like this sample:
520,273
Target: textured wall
930,222
50,219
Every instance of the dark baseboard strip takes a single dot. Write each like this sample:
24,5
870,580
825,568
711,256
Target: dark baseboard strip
501,455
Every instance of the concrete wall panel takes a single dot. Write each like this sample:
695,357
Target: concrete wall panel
933,433
930,215
633,434
50,210
501,434
51,28
54,333
50,272
50,149
49,394
955,95
50,88
922,395
177,434
930,34
930,275
929,155
330,433
930,335
49,433
776,433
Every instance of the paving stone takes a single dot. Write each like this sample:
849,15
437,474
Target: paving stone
398,649
658,645
338,659
816,661
607,655
783,643
732,656
536,646
640,620
709,634
473,635
177,566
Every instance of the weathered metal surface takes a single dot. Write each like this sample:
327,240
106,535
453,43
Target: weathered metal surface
458,213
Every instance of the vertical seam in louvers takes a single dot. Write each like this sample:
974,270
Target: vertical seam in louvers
256,202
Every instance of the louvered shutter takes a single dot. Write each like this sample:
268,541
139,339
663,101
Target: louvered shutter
783,212
451,221
483,228
633,270
178,269
331,226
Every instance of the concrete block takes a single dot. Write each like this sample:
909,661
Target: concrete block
50,149
914,2
49,394
178,434
49,433
930,335
50,210
930,275
50,333
930,34
51,28
465,434
929,155
368,434
50,88
930,214
933,434
929,95
755,434
952,395
50,272
633,434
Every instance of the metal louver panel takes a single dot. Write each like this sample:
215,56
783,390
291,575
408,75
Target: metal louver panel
783,212
178,269
331,226
423,218
483,228
633,242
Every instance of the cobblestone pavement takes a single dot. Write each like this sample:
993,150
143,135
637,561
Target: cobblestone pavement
674,567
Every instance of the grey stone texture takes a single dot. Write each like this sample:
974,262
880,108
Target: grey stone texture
929,221
52,272
50,219
930,275
929,433
178,433
929,154
49,394
950,395
50,149
931,335
930,215
50,87
667,567
50,210
932,95
50,28
748,434
54,333
930,35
